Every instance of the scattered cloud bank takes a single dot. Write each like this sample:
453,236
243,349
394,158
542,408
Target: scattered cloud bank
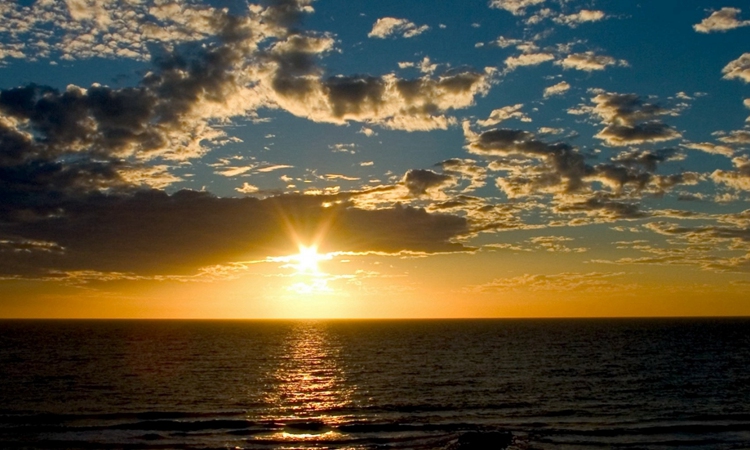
82,178
561,282
85,170
532,167
722,245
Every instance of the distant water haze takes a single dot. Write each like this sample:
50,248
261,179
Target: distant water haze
625,383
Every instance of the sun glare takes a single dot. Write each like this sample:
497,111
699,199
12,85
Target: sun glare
306,261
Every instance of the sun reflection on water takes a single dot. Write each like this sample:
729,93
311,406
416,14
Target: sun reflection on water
310,390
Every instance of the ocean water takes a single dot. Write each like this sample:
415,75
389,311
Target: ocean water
626,383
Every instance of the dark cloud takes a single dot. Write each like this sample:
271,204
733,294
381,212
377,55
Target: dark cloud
466,168
604,206
419,181
628,120
150,232
409,104
563,168
644,159
286,13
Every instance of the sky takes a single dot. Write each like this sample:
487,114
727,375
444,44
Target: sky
374,159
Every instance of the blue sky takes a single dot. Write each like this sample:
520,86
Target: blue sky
596,141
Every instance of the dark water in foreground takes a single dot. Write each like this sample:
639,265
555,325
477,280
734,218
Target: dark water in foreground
375,384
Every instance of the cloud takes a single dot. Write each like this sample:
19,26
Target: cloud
556,89
423,182
391,26
710,148
739,137
504,42
736,179
599,207
515,7
505,113
466,168
567,281
739,68
247,188
527,59
645,159
723,246
234,171
150,232
589,61
584,15
425,66
721,20
338,176
563,168
629,121
272,167
550,130
405,104
78,29
369,132
234,65
554,244
530,167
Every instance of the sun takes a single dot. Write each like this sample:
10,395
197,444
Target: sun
306,261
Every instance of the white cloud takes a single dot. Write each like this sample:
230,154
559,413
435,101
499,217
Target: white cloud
505,113
516,7
589,61
550,130
721,20
528,59
739,68
369,132
247,188
557,89
710,148
391,26
273,167
504,42
584,15
425,66
234,171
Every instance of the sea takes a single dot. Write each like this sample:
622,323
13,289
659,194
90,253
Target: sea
375,384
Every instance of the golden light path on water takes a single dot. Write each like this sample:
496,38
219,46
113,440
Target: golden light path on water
308,386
